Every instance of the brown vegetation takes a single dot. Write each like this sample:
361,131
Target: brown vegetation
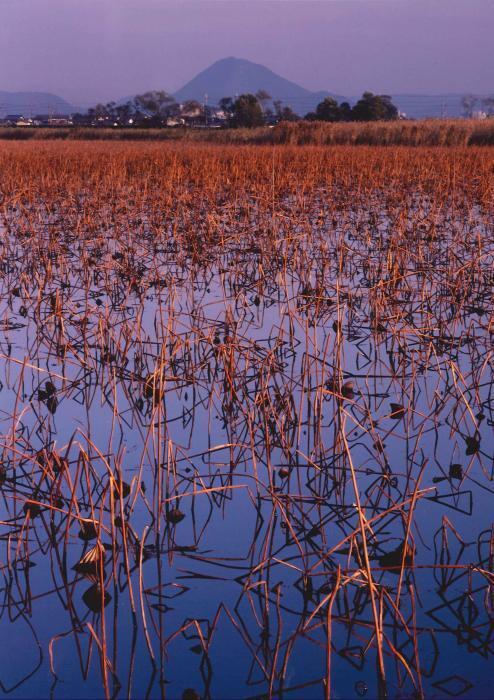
289,347
433,132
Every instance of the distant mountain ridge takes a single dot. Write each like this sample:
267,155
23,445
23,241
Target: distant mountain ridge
31,103
231,76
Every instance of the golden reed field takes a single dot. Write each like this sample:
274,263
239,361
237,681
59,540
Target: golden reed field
427,132
246,419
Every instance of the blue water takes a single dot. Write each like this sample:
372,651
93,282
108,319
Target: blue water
256,554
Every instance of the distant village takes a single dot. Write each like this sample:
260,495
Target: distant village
158,109
185,115
155,109
196,119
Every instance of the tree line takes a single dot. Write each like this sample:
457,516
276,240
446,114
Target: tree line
249,110
153,108
158,108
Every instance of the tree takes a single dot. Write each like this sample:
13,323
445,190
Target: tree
288,115
247,112
345,112
328,110
263,97
192,107
100,113
226,104
468,103
369,108
372,107
156,103
124,112
284,113
80,119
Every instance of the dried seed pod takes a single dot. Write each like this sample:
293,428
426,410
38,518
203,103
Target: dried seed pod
88,531
32,509
52,404
121,486
347,390
473,445
397,411
50,388
190,694
174,516
89,564
393,560
95,598
456,472
331,385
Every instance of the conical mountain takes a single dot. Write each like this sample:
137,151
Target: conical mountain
231,76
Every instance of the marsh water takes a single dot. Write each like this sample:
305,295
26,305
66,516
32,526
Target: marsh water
206,435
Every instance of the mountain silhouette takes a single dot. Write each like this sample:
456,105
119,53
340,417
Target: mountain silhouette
31,103
231,76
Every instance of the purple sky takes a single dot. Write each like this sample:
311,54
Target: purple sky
97,50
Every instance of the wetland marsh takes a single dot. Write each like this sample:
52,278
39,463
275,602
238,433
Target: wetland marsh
246,421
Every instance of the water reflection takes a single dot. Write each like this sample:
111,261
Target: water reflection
238,469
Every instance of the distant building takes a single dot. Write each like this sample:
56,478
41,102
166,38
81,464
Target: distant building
211,118
53,120
218,116
13,119
175,121
479,114
191,111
